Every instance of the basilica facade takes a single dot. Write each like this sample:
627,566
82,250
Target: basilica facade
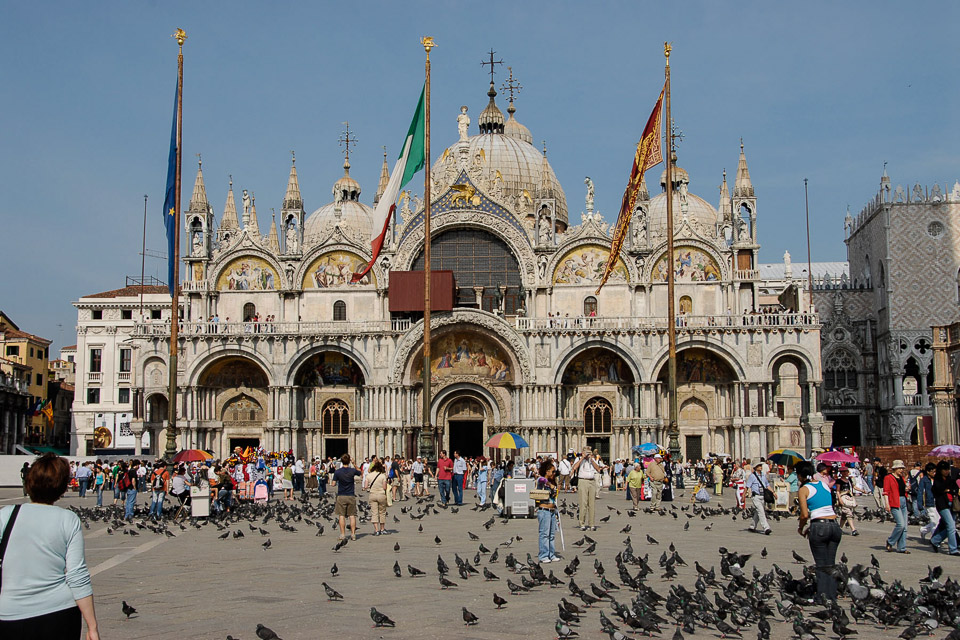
278,348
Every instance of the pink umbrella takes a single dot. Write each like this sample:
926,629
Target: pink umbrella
836,456
946,451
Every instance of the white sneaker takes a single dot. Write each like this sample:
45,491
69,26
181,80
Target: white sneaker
545,561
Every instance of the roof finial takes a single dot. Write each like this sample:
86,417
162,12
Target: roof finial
347,140
544,148
230,175
293,156
200,161
513,86
492,64
741,143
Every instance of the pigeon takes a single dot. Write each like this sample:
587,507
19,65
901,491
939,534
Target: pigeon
334,570
331,593
444,583
414,572
266,545
763,553
651,539
472,535
469,618
798,558
396,570
725,629
842,630
489,575
221,537
437,539
396,547
515,588
497,600
127,609
563,631
380,620
266,633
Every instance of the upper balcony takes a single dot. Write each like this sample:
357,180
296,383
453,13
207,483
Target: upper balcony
685,323
269,330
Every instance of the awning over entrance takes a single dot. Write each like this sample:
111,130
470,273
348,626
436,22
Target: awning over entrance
406,291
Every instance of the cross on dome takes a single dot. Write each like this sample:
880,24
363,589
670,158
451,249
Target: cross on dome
347,139
492,64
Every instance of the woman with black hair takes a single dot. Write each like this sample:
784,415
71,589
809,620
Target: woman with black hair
823,532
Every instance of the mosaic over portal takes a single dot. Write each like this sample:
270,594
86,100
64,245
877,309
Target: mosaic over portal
690,264
585,265
249,273
468,354
334,269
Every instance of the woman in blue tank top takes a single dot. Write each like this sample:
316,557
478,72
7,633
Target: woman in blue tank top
823,532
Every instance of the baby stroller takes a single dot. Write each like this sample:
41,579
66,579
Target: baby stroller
700,493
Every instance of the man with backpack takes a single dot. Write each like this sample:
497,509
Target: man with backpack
160,485
127,483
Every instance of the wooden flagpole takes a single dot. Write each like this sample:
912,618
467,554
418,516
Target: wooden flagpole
171,447
673,430
427,444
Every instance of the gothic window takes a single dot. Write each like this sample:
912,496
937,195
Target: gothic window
336,418
840,371
339,311
478,259
590,306
249,310
598,417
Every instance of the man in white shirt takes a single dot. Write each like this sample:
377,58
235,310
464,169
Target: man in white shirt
563,470
459,472
417,469
587,469
298,471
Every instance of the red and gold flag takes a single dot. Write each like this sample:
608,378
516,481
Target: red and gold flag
648,154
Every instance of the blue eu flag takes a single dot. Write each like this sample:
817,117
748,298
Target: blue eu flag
170,200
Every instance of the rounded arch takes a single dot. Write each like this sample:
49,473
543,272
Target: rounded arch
242,405
700,261
328,368
454,392
568,356
296,362
729,357
700,365
201,364
234,372
313,255
589,241
485,323
808,363
519,244
155,407
153,371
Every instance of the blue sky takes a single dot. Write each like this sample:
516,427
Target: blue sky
822,90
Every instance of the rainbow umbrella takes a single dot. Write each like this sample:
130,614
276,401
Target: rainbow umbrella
506,440
191,455
786,457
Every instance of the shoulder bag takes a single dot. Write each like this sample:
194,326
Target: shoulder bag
768,495
847,500
7,530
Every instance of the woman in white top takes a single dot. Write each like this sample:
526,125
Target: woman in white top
376,483
824,533
45,585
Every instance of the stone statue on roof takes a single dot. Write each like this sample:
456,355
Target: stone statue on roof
587,181
463,122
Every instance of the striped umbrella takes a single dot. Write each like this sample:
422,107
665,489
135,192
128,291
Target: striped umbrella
787,457
192,455
506,440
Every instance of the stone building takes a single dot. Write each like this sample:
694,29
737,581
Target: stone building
904,276
277,348
34,352
16,405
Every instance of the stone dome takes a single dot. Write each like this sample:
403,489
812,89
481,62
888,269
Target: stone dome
686,205
516,130
353,217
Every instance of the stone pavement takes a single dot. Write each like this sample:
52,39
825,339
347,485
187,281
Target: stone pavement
197,586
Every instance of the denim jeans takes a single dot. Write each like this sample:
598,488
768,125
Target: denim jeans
482,490
99,495
156,507
443,486
825,536
898,538
869,481
458,488
225,498
547,523
83,482
946,529
131,502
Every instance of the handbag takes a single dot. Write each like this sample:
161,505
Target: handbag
768,495
847,500
605,482
7,530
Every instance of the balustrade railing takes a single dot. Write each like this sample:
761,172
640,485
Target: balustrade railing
271,329
759,320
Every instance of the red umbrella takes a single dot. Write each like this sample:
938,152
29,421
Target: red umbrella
836,456
192,455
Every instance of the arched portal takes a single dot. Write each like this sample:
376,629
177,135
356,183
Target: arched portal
705,396
326,392
466,419
234,391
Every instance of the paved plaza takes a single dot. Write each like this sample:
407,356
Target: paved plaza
195,585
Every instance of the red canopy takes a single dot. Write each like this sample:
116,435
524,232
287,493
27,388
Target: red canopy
406,291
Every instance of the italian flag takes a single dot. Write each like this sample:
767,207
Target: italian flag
411,160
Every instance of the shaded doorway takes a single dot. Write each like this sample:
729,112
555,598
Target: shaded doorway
846,429
334,447
466,436
243,443
601,447
694,447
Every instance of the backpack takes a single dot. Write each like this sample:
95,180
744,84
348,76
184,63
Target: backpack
157,480
124,484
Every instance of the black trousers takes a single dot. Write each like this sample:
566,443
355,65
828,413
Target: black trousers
825,536
59,625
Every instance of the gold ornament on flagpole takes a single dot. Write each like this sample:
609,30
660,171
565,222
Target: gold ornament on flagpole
180,35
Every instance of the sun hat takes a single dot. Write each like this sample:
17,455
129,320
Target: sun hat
898,464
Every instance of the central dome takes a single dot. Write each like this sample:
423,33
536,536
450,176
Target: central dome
353,217
686,205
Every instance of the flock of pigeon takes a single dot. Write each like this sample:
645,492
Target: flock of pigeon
631,594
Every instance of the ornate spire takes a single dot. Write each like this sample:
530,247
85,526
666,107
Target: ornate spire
198,201
292,200
543,189
726,206
743,188
642,193
384,178
491,118
254,225
230,220
273,243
